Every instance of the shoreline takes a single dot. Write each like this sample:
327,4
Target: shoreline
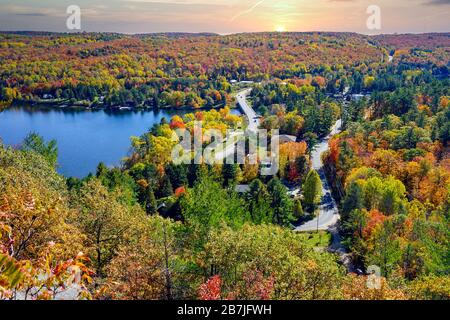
76,107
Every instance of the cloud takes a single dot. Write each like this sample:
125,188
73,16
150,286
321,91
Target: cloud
438,2
31,11
32,14
137,16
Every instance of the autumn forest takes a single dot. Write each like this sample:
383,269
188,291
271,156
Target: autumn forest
153,229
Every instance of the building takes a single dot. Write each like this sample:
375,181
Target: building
242,188
285,138
47,96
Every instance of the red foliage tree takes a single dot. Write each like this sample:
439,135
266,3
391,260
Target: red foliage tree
293,175
211,289
180,191
176,125
375,218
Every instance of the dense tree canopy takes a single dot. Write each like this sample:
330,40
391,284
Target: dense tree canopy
155,229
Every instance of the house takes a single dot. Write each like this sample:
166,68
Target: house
242,188
285,138
357,97
47,96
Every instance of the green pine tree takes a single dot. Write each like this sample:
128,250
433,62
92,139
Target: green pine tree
298,210
354,199
312,190
150,201
282,205
166,187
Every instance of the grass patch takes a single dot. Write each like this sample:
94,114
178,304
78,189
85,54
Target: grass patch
317,239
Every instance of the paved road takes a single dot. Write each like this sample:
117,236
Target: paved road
253,122
328,212
328,217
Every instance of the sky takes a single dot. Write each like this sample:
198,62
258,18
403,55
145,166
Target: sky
227,16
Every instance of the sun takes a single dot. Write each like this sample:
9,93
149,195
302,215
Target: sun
280,28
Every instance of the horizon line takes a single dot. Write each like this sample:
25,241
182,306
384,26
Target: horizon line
217,34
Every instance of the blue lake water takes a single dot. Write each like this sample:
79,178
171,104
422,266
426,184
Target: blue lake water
84,138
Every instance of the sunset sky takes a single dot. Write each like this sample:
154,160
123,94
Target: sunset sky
226,16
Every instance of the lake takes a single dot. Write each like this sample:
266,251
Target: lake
84,138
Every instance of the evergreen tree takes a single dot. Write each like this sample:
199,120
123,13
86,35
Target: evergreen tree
102,170
298,209
354,199
177,175
229,174
311,140
346,160
194,173
386,252
281,203
166,187
301,163
150,201
312,190
258,203
34,142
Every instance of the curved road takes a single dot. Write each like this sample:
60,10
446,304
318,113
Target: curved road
328,214
253,123
328,211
